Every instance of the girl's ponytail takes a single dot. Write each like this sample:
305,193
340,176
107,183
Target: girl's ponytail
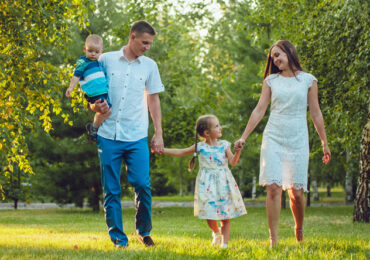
201,126
192,160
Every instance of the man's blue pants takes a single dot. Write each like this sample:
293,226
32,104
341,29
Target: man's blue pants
136,157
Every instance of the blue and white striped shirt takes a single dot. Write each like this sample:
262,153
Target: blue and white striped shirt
92,77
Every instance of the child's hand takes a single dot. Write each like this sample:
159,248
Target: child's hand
68,92
237,148
238,145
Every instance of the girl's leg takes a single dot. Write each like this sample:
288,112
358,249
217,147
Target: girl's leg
297,203
213,225
216,234
273,207
225,230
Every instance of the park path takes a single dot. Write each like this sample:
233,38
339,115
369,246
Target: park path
131,204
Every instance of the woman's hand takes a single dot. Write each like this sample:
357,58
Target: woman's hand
327,155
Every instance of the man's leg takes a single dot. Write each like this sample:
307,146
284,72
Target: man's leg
110,154
137,161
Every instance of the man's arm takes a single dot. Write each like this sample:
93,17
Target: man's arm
156,114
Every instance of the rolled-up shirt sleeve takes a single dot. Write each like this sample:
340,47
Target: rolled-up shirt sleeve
154,83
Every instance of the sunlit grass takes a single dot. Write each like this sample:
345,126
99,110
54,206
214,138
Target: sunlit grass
81,234
337,197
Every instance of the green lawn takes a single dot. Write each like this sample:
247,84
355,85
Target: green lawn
81,234
337,197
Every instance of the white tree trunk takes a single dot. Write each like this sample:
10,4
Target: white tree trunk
348,184
254,188
362,203
315,191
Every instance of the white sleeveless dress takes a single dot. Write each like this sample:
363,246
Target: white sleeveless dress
284,149
217,195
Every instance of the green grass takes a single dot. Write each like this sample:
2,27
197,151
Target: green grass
337,197
54,234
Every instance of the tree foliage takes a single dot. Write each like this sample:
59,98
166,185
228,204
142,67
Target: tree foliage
30,31
219,73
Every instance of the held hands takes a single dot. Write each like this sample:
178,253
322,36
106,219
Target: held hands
327,155
157,146
238,145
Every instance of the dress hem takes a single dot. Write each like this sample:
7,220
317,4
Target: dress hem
222,218
296,186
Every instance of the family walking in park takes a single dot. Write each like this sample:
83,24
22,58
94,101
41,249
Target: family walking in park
122,85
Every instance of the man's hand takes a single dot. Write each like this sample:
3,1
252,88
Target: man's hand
157,144
100,107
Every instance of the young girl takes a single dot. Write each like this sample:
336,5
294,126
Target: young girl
217,196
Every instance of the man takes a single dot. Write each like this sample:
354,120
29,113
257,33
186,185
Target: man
134,84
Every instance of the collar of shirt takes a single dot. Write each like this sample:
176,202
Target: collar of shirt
123,57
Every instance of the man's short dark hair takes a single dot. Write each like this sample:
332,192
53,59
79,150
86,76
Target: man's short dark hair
141,27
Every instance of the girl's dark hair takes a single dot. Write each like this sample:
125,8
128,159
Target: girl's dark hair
293,60
201,126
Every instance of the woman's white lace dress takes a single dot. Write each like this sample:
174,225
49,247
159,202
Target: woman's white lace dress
284,149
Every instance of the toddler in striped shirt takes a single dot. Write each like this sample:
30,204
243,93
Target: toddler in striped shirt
92,79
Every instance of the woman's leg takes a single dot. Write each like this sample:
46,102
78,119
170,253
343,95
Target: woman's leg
225,230
273,207
297,203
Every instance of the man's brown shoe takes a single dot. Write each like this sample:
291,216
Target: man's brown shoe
147,240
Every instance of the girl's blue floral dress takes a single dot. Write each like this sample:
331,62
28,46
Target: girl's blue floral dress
217,195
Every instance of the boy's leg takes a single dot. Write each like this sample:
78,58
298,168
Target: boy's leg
137,162
111,154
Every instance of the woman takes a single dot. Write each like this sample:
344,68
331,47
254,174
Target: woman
284,149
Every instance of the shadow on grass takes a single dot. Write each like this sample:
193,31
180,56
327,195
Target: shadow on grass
130,253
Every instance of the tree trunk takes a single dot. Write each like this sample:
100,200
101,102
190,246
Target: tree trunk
362,201
15,203
181,179
315,191
94,197
254,187
308,200
348,184
328,191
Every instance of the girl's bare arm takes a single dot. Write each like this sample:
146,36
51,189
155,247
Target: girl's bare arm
179,152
